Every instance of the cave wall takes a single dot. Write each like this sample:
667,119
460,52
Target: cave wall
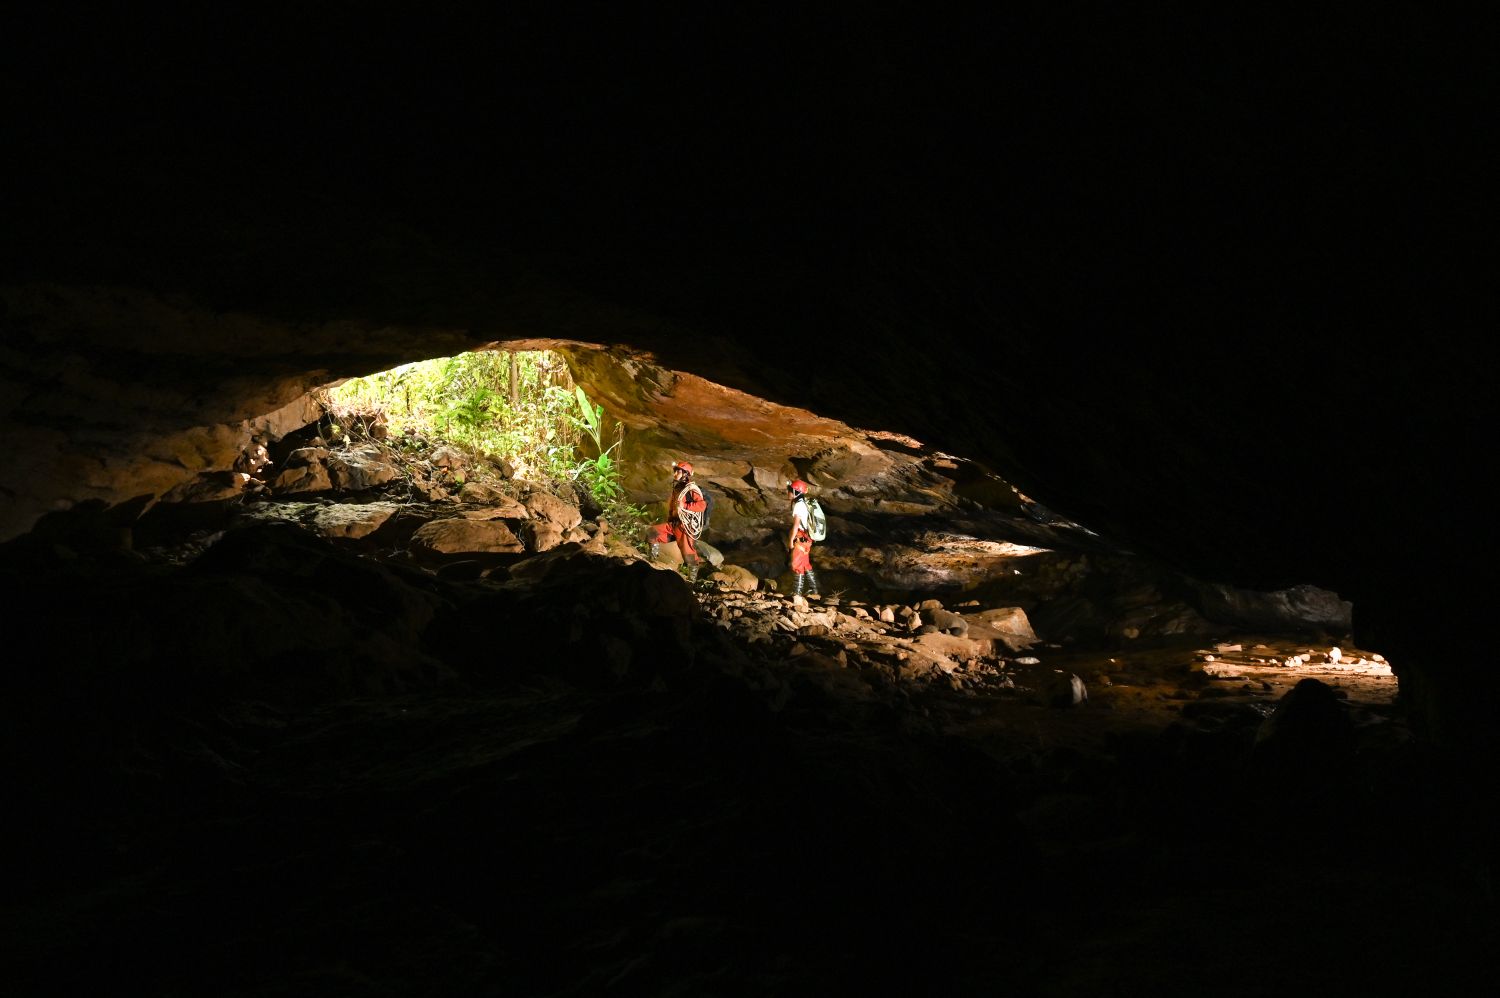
1209,299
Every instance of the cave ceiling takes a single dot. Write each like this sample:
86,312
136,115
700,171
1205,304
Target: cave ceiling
1204,288
1201,306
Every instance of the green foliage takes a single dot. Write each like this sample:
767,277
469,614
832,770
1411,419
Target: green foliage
467,400
600,473
542,423
593,417
597,473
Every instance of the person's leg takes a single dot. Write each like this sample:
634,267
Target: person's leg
801,566
689,554
657,536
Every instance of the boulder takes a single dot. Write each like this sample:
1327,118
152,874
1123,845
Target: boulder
449,457
463,536
302,478
541,535
1310,723
351,521
480,492
1066,690
360,468
1008,626
947,620
546,506
737,578
503,507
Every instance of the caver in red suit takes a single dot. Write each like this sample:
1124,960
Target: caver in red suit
801,541
684,517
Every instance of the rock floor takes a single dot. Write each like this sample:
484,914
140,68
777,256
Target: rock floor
710,793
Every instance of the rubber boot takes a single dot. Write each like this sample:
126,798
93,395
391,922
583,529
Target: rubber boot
691,571
812,582
801,581
653,550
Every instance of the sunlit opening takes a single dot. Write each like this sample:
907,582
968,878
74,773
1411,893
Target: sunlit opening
517,410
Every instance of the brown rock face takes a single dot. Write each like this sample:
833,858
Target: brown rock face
561,516
1206,292
172,407
462,535
1008,625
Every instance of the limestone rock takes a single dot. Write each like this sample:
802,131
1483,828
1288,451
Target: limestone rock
360,468
1300,607
461,536
351,521
737,578
449,457
209,487
541,535
546,506
503,507
480,492
848,459
312,477
951,646
306,455
668,555
1061,689
1007,625
1309,721
947,620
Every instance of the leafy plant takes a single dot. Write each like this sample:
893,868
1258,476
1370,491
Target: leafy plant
522,407
470,413
600,473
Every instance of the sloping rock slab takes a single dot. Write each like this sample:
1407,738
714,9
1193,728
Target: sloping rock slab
1007,625
502,507
360,469
463,536
546,506
351,521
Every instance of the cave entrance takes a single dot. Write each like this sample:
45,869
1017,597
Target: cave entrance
928,538
518,406
467,465
489,424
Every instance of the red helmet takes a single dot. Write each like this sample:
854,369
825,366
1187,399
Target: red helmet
799,487
682,466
